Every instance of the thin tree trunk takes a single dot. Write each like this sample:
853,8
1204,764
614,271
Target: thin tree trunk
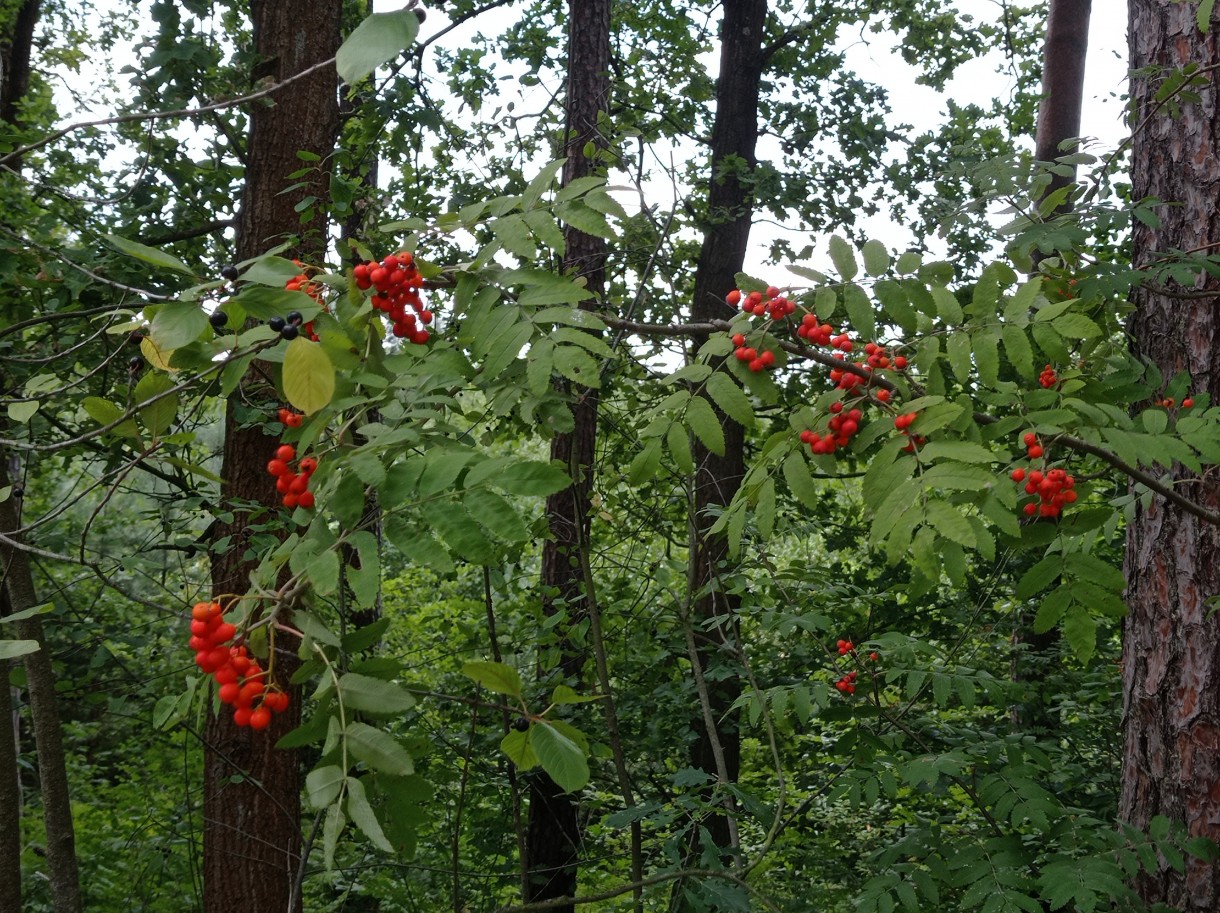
1171,641
1063,60
730,204
20,595
553,831
252,834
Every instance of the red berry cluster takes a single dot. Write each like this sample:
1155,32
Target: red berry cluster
756,361
902,423
842,428
290,419
239,675
293,486
1054,488
1048,378
846,684
1169,403
396,283
772,304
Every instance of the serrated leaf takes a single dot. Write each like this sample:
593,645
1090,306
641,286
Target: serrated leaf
947,305
332,827
361,813
324,784
521,477
800,481
950,523
730,398
497,677
678,442
859,311
374,696
496,514
876,258
309,375
577,365
377,40
559,756
1080,631
702,420
148,254
843,257
1053,605
1076,326
1016,346
957,347
378,749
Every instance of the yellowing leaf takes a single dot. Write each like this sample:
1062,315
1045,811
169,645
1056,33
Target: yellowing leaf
309,376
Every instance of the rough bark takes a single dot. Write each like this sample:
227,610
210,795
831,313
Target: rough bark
20,595
16,43
730,204
1171,644
252,834
553,831
1063,61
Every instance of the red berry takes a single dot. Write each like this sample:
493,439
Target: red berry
286,452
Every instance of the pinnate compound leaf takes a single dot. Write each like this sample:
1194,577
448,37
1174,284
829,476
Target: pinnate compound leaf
309,375
496,677
559,756
731,399
374,696
703,422
331,829
377,40
378,749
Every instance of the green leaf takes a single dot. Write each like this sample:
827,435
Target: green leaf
309,375
678,440
159,416
1203,14
22,412
378,749
496,677
374,696
559,756
950,523
702,420
148,254
462,533
268,270
324,784
843,257
176,324
11,649
331,829
1080,630
730,398
516,745
800,481
496,514
105,412
1018,349
361,813
377,40
577,365
1076,326
565,695
876,258
859,311
947,306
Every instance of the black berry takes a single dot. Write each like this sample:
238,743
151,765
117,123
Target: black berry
292,331
277,324
218,319
229,273
521,724
295,319
135,364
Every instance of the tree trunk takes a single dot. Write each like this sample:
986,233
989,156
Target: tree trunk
252,835
20,595
717,478
1171,644
1063,60
553,832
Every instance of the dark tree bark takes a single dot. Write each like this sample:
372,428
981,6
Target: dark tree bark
1171,643
17,593
553,832
1063,60
252,834
717,478
18,596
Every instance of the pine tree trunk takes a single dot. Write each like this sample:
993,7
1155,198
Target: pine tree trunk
553,831
1171,644
1063,60
252,834
717,478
